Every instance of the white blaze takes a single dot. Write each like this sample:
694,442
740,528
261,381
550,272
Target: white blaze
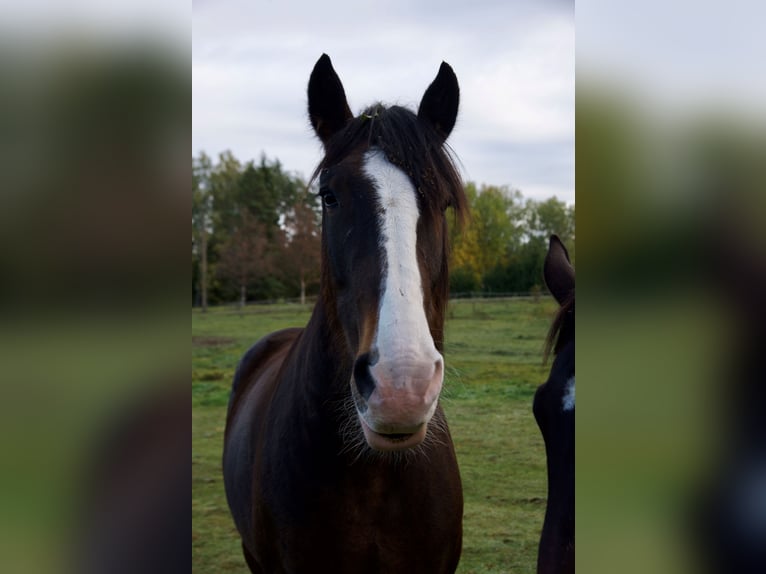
402,332
568,402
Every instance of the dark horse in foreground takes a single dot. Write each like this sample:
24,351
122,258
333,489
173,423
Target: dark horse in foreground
554,409
337,455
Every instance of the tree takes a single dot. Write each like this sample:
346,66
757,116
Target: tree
302,250
498,212
465,272
225,190
539,220
202,207
549,217
245,256
262,191
494,230
552,216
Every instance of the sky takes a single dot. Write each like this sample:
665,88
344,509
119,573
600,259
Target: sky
251,62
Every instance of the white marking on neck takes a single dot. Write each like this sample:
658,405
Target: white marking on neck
568,402
402,326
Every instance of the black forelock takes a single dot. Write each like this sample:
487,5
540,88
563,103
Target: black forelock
409,144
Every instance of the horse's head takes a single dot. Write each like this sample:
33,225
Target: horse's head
386,182
554,408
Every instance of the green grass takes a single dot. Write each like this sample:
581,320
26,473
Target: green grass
493,355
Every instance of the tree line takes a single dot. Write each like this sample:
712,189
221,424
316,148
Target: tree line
256,235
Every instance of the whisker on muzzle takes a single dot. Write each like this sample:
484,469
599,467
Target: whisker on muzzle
354,446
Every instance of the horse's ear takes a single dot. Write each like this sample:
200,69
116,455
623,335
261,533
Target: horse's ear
439,104
558,271
328,108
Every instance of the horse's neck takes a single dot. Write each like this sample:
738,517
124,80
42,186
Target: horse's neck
304,433
319,367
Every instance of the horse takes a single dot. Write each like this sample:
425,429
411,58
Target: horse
554,411
337,454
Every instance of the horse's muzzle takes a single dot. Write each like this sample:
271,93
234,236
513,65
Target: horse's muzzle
395,400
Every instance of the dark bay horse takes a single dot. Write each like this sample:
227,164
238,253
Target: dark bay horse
554,410
337,456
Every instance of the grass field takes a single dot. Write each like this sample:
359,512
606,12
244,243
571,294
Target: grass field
493,355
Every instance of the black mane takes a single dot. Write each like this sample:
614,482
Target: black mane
562,328
408,143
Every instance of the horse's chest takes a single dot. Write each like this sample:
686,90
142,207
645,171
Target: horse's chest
376,522
352,502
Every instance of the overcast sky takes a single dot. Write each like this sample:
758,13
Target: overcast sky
514,61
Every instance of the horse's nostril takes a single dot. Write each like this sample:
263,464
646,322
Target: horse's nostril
365,384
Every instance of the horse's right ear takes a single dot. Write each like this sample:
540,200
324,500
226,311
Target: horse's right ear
440,102
328,108
558,271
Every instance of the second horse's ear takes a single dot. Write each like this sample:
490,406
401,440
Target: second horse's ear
328,108
438,108
558,272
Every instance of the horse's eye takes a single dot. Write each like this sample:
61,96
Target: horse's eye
328,197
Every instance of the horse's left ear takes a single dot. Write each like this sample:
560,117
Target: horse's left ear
328,108
558,272
440,102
